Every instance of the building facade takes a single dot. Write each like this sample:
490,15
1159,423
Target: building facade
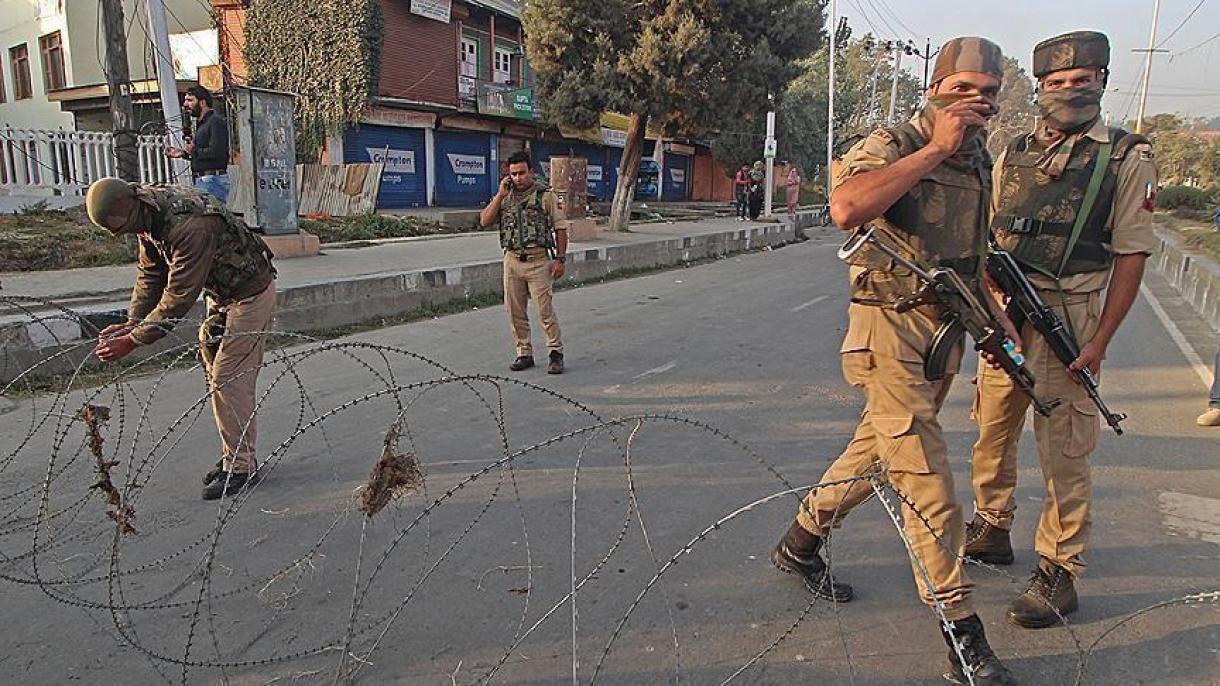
52,71
455,98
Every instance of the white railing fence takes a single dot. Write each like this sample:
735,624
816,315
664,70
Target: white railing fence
66,162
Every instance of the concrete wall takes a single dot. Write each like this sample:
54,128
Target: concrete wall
1195,275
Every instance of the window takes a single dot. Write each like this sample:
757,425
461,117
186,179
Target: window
503,65
19,59
470,58
54,75
2,96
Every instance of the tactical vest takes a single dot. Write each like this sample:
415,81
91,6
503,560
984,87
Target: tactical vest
1036,214
527,224
942,221
240,254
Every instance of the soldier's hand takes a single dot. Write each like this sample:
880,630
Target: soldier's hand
949,127
114,330
173,152
115,348
558,269
1091,355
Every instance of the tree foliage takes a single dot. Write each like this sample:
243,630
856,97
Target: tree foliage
332,78
685,66
1182,156
1017,111
863,75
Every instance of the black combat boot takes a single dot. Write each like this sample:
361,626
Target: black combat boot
1049,596
988,543
797,553
984,667
522,363
556,364
228,484
214,473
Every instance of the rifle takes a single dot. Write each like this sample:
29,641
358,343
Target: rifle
1025,304
961,311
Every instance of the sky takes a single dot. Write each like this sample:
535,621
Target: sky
1184,80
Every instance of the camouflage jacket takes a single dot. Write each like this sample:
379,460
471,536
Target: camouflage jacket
193,244
526,220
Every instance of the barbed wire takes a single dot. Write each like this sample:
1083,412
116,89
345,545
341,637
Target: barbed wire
323,571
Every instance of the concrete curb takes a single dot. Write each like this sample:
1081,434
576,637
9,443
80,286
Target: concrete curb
1193,274
352,300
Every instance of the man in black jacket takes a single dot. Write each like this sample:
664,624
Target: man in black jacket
209,151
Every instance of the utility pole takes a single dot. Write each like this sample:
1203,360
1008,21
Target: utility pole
170,106
927,58
894,83
1156,10
830,99
769,153
118,82
872,89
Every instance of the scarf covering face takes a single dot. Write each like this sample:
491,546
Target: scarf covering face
974,143
1071,110
1067,114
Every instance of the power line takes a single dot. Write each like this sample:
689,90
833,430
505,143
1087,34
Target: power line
1180,25
1196,47
885,5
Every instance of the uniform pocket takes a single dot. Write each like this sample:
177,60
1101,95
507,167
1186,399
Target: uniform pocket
897,448
1084,427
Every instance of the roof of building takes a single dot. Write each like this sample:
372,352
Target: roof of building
510,7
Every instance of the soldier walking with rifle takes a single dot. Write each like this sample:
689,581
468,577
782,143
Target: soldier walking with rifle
1072,205
923,188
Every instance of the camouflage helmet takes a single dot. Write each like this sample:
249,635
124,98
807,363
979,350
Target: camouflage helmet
1071,51
101,199
968,53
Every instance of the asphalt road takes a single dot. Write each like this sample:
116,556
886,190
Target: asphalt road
293,582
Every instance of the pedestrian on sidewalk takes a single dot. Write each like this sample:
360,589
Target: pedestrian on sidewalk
1212,416
190,243
535,244
793,189
756,188
922,182
741,185
208,151
1072,202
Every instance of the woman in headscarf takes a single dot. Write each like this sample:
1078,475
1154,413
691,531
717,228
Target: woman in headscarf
793,189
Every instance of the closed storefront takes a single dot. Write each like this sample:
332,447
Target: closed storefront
404,182
466,168
677,171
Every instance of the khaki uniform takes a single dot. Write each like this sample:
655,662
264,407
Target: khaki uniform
1070,434
527,276
190,249
899,434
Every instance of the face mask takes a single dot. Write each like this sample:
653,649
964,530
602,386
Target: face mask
975,139
1070,109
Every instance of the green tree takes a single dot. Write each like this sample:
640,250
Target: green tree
863,73
684,66
1017,111
331,78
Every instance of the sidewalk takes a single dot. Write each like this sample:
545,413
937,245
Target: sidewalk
351,285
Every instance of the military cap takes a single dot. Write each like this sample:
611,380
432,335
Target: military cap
968,53
101,198
1071,51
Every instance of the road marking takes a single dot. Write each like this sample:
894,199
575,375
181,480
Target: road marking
1193,515
811,303
1205,374
656,370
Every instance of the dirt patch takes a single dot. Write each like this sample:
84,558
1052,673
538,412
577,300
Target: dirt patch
1202,236
38,239
371,227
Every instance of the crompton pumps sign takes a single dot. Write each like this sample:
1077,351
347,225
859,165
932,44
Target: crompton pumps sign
396,161
467,167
